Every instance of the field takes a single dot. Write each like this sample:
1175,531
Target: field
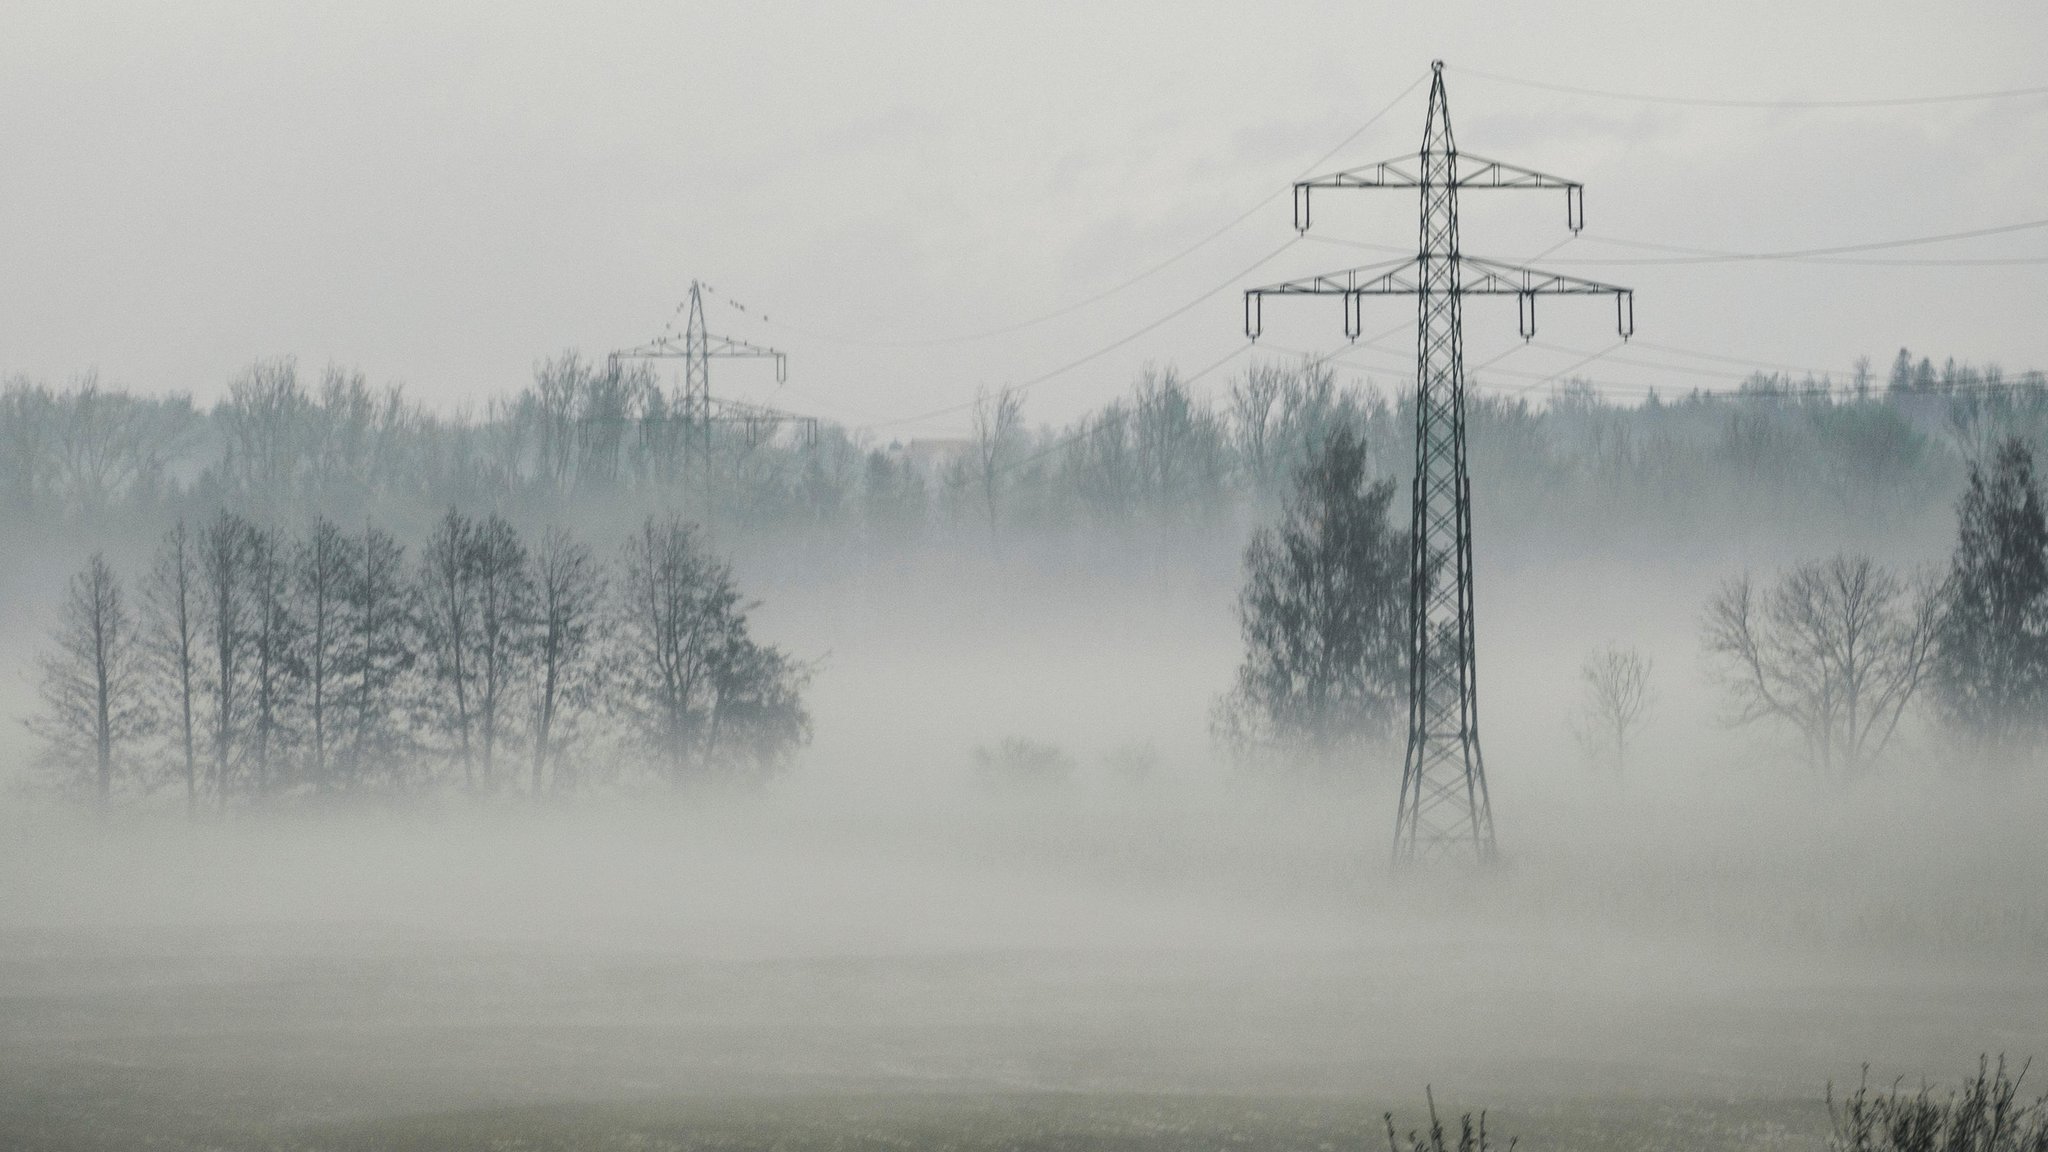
1057,979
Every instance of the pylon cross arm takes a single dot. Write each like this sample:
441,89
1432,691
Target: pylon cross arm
1392,278
671,346
1491,278
1501,174
1406,172
1400,278
1400,172
1476,277
1464,171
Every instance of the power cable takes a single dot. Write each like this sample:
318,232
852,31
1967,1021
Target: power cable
1085,430
1712,256
1626,388
1105,349
1937,261
1691,255
1738,360
1576,365
1699,102
1177,257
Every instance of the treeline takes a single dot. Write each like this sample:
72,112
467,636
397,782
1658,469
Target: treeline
584,438
1838,651
250,664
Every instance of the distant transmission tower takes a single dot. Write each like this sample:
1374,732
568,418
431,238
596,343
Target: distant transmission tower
698,410
1444,808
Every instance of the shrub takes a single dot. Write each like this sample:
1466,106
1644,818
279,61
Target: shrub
1985,1115
1018,761
1471,1135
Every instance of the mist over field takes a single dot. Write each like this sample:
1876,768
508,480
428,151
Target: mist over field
732,576
883,922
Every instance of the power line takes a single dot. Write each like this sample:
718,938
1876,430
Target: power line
1630,388
1711,102
1105,349
1163,265
1691,255
1912,262
1085,429
1711,256
1771,365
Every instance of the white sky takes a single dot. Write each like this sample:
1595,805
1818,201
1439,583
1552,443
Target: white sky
441,194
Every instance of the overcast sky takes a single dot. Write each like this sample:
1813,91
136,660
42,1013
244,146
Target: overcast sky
440,194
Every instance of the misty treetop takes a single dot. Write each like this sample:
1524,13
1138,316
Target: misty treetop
1992,679
1840,650
94,707
1324,615
262,666
594,440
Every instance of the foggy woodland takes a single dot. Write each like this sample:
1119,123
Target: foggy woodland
315,601
1006,730
265,649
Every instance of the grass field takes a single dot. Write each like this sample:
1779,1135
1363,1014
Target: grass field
340,1040
1086,979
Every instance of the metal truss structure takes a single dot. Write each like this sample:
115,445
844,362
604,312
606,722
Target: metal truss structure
698,409
1445,811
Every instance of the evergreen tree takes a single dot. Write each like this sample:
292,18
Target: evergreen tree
1992,663
1324,614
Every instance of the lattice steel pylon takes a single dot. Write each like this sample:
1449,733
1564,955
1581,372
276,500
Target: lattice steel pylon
696,409
1445,810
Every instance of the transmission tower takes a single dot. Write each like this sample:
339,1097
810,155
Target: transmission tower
698,409
1444,809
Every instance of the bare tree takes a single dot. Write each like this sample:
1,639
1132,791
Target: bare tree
228,607
380,628
173,635
758,719
320,580
1617,696
893,499
1252,397
677,599
448,586
1177,443
274,639
98,442
569,588
92,703
1836,650
265,419
504,624
707,699
29,429
998,427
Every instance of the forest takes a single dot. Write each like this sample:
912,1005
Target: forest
585,439
349,594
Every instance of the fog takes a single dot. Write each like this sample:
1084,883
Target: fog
1717,930
432,716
